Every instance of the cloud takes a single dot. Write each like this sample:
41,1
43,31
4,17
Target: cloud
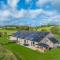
39,12
41,3
28,1
8,14
44,17
4,14
18,13
13,3
39,16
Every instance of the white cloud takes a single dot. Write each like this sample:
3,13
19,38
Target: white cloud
33,14
4,14
28,1
38,12
47,16
18,13
26,13
41,3
8,14
12,3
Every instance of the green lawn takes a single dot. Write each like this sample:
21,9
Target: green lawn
8,31
28,54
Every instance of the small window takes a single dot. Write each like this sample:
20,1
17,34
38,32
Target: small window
24,41
33,43
27,41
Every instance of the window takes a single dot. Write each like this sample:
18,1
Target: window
32,43
27,41
24,41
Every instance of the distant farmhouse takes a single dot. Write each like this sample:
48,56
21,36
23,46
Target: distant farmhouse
40,41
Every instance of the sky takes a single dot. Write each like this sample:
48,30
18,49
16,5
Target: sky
29,12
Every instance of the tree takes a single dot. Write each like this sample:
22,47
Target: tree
22,28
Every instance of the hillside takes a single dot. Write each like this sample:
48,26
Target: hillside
28,54
11,51
5,54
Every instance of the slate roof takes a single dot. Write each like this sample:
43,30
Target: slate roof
53,40
21,34
31,35
44,45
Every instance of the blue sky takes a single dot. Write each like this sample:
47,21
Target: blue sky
29,12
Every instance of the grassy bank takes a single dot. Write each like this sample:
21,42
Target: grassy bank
6,54
28,54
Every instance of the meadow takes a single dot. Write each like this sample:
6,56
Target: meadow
23,53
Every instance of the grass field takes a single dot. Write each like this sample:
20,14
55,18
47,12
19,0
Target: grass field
23,53
46,28
8,31
6,54
28,54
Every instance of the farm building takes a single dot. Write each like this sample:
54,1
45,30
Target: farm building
40,41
